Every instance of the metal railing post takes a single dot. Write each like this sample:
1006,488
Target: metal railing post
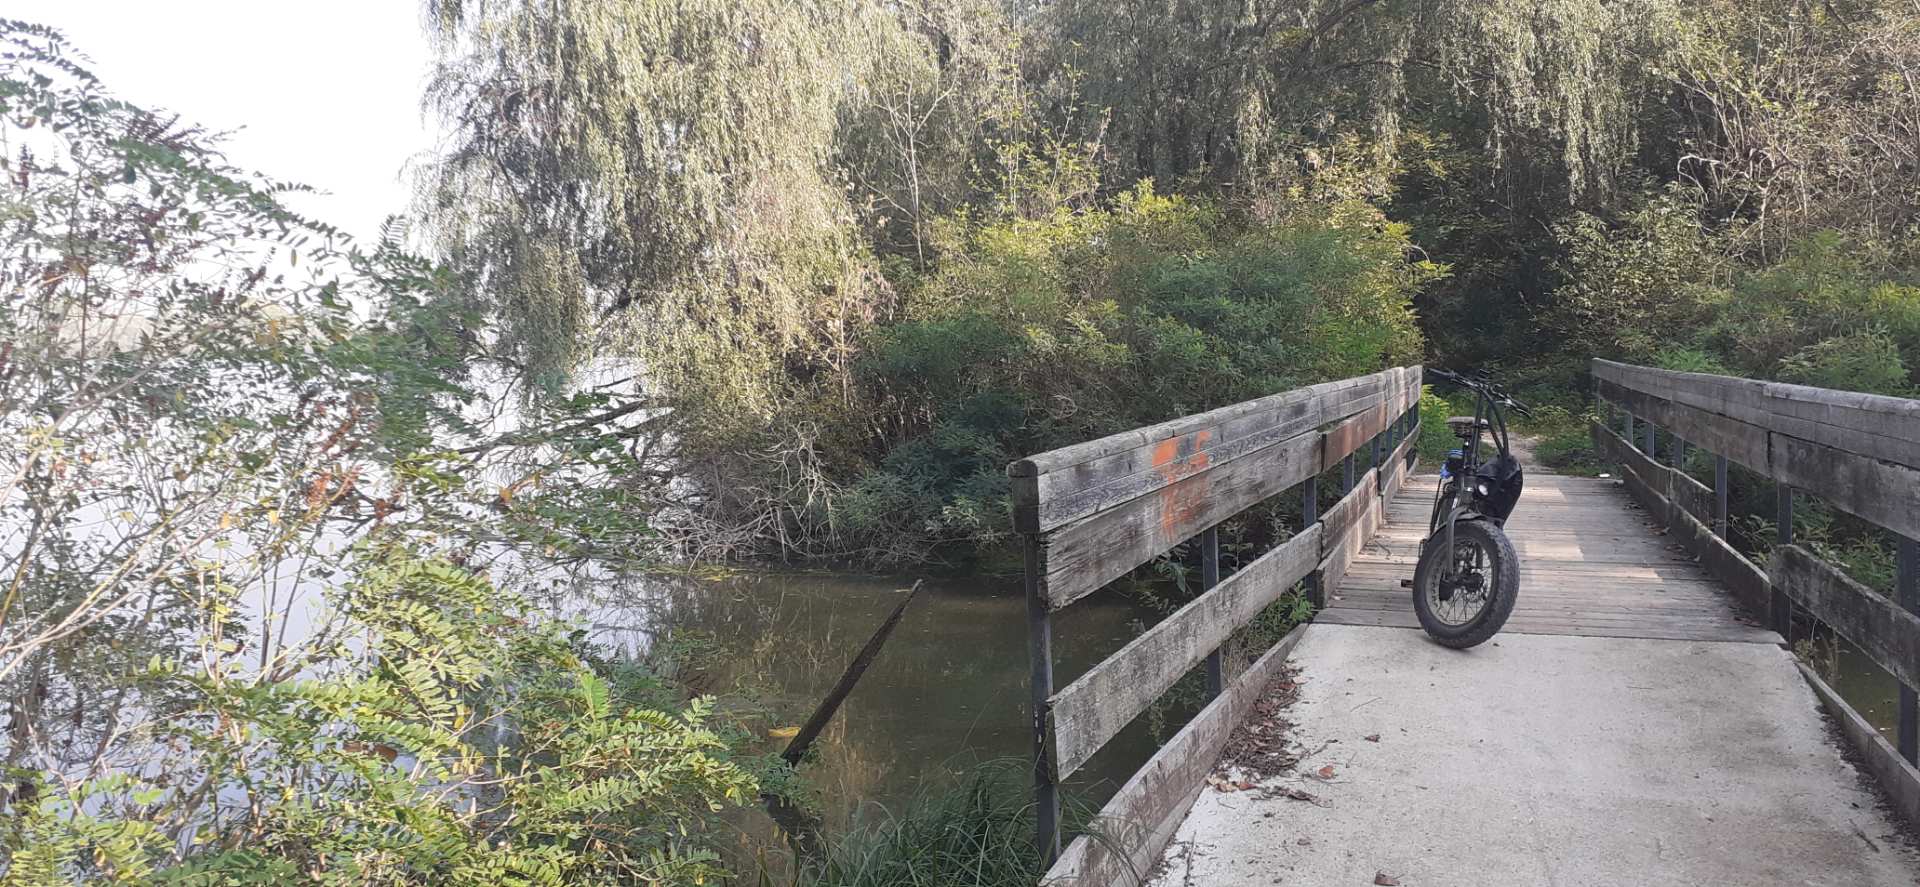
1210,577
1907,593
1310,515
1780,608
1720,496
1652,444
1413,431
1382,452
1346,475
1046,795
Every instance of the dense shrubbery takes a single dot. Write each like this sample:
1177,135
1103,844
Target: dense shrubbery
457,745
1833,312
259,621
1033,334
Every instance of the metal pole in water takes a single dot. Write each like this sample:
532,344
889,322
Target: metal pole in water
1907,592
1046,795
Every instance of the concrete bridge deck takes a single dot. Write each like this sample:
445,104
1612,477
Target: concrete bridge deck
1627,728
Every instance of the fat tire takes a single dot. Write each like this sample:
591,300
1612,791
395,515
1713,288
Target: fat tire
1505,569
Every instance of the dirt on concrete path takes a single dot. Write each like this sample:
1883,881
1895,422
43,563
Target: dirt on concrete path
1541,759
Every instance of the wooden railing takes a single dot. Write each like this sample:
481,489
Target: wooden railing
1093,512
1860,453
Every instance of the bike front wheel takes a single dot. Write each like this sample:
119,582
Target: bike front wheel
1474,603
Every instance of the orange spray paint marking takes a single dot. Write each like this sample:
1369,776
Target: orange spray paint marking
1179,458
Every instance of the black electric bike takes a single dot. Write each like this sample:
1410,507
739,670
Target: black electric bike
1468,575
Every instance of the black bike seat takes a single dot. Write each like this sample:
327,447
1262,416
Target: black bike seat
1459,421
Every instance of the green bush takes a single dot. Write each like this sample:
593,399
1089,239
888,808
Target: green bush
1825,315
1032,334
467,746
1869,361
1435,439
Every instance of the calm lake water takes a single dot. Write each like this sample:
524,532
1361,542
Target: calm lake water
948,692
1870,689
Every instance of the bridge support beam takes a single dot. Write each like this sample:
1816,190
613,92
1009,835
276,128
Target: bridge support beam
1046,794
1720,496
1210,577
1907,592
1310,515
1780,611
1373,459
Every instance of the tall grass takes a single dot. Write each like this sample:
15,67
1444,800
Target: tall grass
978,833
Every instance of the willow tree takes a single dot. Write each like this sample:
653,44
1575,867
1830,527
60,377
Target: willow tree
688,182
667,158
1220,92
707,182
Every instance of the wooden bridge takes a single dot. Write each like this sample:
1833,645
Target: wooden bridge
1639,720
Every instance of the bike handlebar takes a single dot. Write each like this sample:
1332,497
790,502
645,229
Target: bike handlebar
1479,382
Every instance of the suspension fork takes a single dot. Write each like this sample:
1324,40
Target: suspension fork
1453,515
1442,531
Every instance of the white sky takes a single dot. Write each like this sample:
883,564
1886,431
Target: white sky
327,95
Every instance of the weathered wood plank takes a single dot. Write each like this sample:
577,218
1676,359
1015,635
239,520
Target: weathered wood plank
1882,492
1743,578
1589,565
1690,495
1739,441
1087,554
1137,823
1399,467
1871,425
1742,399
1340,550
1880,628
1616,448
1065,493
1053,488
1091,710
1899,778
1599,601
1364,496
1355,431
1132,440
1731,632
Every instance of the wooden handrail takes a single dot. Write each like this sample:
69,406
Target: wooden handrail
1859,453
1093,512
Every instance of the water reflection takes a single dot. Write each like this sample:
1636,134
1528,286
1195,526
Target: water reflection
949,690
1870,689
